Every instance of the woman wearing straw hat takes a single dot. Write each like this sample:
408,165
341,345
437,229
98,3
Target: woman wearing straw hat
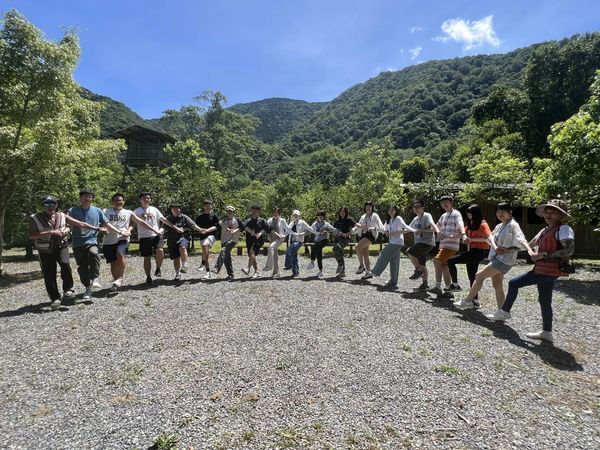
555,244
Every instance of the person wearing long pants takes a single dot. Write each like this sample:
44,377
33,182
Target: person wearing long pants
554,246
277,234
394,229
478,235
344,226
231,227
322,227
297,228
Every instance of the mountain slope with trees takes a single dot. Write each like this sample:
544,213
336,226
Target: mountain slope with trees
278,116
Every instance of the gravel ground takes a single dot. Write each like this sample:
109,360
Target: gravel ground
293,363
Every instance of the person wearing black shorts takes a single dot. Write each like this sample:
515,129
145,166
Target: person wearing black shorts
178,243
256,227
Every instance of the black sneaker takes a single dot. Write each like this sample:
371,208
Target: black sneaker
416,274
424,287
477,304
148,281
177,277
183,270
230,278
454,287
157,273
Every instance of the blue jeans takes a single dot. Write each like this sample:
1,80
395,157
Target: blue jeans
545,286
291,257
389,255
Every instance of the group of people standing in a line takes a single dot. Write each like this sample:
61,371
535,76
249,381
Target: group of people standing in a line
550,249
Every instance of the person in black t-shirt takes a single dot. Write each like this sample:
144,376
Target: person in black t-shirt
256,228
209,228
178,243
345,226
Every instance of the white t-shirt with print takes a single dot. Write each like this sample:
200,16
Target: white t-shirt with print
120,220
152,216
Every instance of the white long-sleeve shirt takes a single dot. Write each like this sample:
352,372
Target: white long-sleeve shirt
397,224
508,235
281,228
301,228
370,223
319,227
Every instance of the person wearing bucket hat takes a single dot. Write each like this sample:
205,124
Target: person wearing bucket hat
554,246
50,232
297,228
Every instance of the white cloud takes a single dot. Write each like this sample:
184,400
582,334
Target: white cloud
414,52
472,34
416,29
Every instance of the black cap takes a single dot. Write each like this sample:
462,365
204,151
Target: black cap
255,207
207,201
176,205
49,200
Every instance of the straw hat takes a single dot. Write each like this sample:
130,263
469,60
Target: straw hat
555,203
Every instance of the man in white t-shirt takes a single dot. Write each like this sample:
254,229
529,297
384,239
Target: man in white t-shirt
151,241
114,245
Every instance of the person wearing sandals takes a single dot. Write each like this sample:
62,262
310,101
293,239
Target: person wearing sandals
424,242
477,241
344,226
297,228
451,228
369,227
554,246
279,229
507,240
394,229
322,227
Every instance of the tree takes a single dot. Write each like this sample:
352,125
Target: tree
44,121
573,171
415,170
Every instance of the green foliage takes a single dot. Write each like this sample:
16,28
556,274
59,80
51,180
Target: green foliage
575,148
48,133
277,116
415,170
497,176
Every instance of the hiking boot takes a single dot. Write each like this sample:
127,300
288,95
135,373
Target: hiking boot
416,274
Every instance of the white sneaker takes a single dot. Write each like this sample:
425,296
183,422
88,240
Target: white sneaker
276,275
310,266
541,335
88,292
464,304
201,269
367,275
69,295
320,275
55,304
499,316
255,275
96,284
118,282
246,270
207,276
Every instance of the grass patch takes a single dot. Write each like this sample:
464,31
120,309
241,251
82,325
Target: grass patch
165,441
406,347
448,370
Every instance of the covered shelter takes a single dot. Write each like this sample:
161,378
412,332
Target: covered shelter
145,146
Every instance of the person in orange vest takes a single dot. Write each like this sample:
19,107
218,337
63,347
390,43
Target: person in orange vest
554,246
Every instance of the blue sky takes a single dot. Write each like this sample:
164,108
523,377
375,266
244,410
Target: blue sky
154,55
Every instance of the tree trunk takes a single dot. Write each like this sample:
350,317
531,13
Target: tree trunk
3,206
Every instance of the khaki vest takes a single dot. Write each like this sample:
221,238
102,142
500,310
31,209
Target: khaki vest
43,243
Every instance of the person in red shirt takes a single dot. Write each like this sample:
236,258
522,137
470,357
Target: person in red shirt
477,234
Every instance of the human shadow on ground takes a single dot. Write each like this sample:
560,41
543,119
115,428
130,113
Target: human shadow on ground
581,291
43,308
550,354
21,277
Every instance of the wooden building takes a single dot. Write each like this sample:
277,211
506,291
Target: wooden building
145,146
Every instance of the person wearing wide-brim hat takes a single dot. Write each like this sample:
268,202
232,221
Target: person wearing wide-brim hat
555,244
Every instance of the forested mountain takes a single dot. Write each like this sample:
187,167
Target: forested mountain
115,116
278,116
416,106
